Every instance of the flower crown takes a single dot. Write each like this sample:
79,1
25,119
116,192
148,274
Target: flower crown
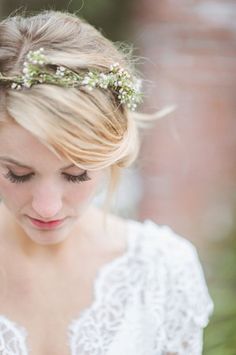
126,87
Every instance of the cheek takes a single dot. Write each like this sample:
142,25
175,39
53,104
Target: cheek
83,193
12,194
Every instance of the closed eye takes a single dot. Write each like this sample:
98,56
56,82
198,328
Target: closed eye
23,178
77,178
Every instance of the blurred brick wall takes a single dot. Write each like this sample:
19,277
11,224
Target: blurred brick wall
188,160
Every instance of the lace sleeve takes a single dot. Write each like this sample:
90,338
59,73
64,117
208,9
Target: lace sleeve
179,290
189,304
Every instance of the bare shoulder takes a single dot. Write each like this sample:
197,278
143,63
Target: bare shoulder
117,233
114,230
114,221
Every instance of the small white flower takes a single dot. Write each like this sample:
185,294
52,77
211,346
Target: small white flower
59,72
85,80
13,85
27,84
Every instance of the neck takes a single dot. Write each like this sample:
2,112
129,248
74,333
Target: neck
83,236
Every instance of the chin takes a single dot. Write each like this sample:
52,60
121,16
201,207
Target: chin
48,237
45,236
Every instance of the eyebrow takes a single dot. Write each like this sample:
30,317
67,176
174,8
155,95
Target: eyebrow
13,161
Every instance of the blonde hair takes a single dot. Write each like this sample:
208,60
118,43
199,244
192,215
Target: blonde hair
88,128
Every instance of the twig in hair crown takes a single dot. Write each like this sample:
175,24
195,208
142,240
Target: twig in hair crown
120,81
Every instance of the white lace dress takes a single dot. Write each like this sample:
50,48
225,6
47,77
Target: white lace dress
152,300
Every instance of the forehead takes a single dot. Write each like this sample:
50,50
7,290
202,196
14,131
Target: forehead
13,136
20,144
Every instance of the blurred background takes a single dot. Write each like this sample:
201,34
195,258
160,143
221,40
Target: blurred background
186,174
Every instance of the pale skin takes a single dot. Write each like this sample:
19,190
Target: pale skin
47,276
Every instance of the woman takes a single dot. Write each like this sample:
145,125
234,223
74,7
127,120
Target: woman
71,281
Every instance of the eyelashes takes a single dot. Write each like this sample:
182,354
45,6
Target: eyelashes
77,178
17,179
23,178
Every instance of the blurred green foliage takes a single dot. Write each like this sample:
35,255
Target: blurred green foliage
112,18
220,335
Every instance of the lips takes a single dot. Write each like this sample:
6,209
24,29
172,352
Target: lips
48,224
40,220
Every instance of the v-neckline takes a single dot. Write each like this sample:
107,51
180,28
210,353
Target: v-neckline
99,280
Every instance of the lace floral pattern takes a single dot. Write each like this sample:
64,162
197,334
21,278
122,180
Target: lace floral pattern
152,300
12,338
187,304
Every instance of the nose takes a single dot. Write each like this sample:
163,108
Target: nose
47,201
